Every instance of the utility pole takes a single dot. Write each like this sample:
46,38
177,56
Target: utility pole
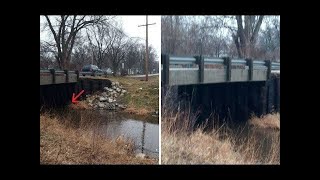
147,51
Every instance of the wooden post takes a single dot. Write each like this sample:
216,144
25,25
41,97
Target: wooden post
277,94
53,73
227,62
251,93
147,51
227,102
200,62
250,72
100,85
67,75
268,64
91,86
166,64
77,72
245,102
270,94
263,98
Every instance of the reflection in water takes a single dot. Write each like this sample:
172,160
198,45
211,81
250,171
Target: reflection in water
144,135
143,131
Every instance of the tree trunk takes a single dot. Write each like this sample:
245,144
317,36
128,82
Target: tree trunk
245,38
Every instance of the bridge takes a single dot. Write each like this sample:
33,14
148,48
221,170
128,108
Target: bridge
57,87
230,88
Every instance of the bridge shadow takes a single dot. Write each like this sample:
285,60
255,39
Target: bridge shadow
222,103
56,95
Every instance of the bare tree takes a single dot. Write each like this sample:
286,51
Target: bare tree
269,40
64,29
215,35
80,57
116,45
139,64
46,56
153,64
133,56
98,39
246,36
171,30
44,60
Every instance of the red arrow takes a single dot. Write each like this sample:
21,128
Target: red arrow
74,99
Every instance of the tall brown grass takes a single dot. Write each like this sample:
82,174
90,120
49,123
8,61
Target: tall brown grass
63,143
181,144
271,121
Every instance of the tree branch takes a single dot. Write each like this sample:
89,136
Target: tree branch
256,29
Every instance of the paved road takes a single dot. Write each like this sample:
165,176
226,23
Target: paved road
275,71
143,75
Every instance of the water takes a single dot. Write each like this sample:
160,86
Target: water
144,135
142,131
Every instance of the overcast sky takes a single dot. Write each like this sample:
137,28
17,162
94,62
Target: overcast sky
130,26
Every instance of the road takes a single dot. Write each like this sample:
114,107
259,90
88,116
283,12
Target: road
143,75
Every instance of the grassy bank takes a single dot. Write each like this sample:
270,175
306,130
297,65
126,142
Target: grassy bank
180,145
142,97
62,143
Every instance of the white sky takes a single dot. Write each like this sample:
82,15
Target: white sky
130,27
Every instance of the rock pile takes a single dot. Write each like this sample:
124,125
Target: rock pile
108,98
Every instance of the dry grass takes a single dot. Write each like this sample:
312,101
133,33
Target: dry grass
197,148
60,143
79,106
215,147
140,111
271,121
180,144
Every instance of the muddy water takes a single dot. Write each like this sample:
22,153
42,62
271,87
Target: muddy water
142,131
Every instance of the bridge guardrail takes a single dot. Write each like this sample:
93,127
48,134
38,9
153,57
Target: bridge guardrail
177,60
182,60
58,76
213,61
251,67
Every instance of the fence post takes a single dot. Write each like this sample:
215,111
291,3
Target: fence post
227,62
53,73
200,62
250,72
165,62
